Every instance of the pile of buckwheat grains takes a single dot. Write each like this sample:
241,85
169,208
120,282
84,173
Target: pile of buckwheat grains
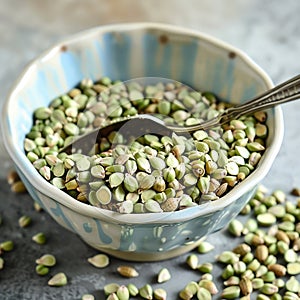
263,264
153,173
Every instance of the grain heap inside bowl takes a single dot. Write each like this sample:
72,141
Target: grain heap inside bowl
154,173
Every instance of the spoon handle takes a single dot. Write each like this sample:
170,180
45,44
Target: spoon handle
141,124
282,93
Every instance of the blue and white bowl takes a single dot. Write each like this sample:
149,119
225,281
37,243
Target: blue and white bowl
127,51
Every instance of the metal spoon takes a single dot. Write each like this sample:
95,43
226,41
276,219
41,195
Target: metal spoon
136,126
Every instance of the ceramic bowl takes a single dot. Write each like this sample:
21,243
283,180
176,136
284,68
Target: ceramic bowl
127,51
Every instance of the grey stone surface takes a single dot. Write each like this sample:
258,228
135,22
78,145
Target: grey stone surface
267,30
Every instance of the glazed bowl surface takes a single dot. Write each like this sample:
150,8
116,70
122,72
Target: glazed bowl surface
124,52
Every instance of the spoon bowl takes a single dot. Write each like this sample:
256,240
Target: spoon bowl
130,128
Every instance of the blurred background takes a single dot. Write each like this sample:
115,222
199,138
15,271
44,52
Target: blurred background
268,31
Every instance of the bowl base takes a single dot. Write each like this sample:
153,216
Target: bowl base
149,257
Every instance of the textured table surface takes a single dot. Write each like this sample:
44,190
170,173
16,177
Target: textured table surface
267,30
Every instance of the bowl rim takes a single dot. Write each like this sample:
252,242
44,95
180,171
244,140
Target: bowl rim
44,187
